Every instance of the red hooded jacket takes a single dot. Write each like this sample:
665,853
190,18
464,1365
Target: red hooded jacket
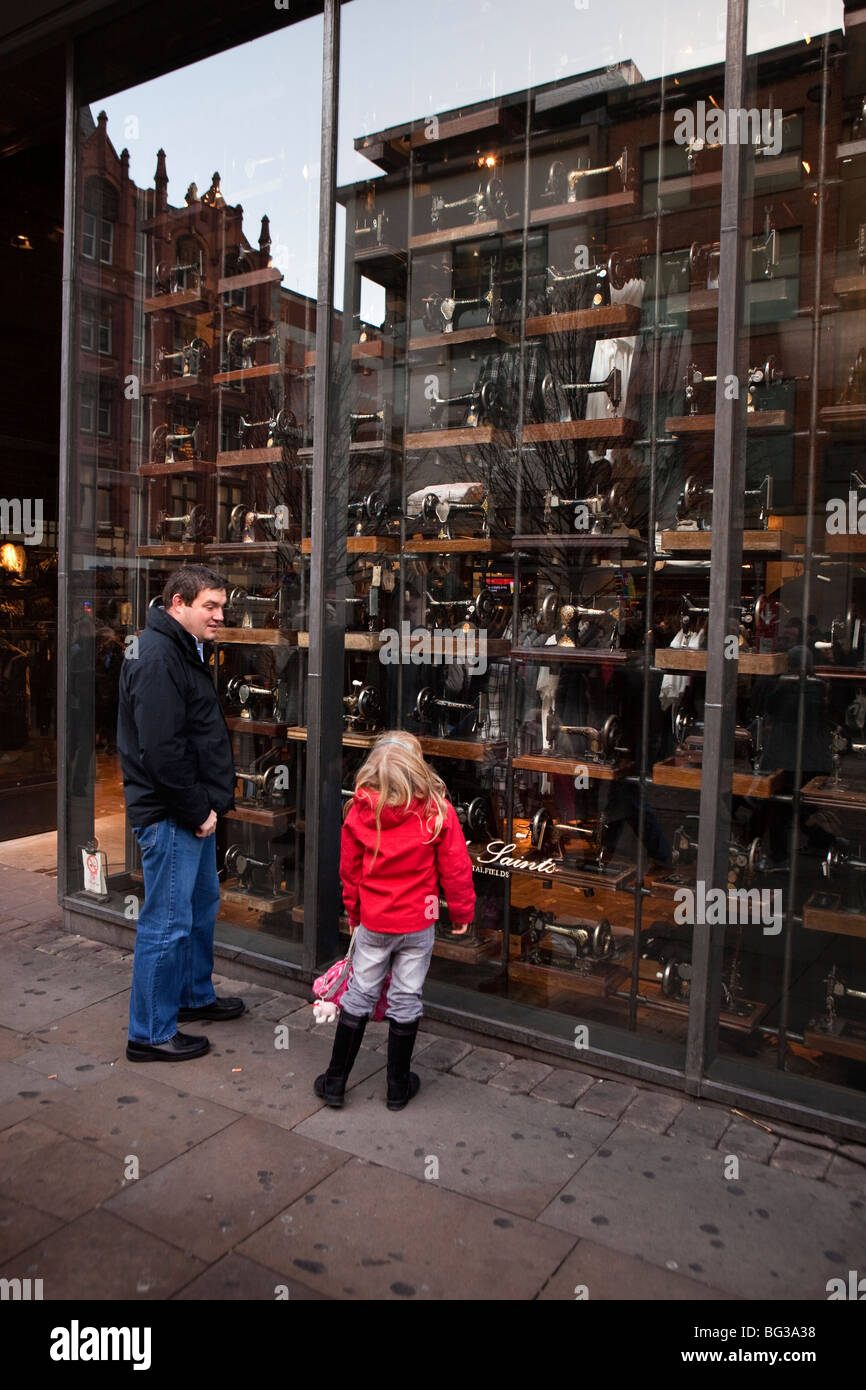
399,891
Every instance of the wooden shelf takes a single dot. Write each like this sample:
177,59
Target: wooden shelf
237,724
850,287
692,302
825,912
167,470
757,422
352,641
823,791
741,1023
373,446
246,549
847,1040
271,817
469,750
756,542
613,429
844,417
609,321
381,349
462,545
268,275
256,637
179,300
446,236
854,544
459,438
625,201
167,549
267,907
679,772
849,149
477,950
176,386
245,458
749,664
350,740
600,979
690,183
361,545
585,656
576,540
250,373
569,767
488,333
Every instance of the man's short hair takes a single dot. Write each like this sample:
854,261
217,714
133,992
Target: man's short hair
189,582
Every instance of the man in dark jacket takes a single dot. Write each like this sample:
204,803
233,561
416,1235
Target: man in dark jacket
178,776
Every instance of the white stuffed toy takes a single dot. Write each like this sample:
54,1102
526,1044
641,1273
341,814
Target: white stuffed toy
325,1011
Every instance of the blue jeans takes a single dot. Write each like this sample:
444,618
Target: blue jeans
406,955
173,960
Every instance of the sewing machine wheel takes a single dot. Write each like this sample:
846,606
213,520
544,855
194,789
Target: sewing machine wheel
610,736
158,441
270,777
197,523
238,518
238,689
492,405
368,703
539,827
237,597
484,608
620,269
286,428
698,257
683,725
494,195
548,614
765,376
161,518
425,703
235,343
374,506
617,503
155,602
694,492
476,816
672,980
233,854
557,182
429,505
602,940
432,319
550,396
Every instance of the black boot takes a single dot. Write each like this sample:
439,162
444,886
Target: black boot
331,1085
403,1084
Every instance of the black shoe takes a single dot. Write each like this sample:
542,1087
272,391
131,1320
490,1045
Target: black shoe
180,1048
403,1084
331,1085
217,1012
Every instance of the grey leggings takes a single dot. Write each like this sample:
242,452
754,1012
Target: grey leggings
406,955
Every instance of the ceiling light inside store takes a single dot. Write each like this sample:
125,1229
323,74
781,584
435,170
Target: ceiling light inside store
807,166
12,558
22,243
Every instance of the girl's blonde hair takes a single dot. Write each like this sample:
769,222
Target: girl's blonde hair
395,768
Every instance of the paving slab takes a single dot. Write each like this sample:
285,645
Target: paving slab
743,1139
10,924
209,1200
519,1077
445,1052
609,1098
98,1029
57,1175
654,1111
563,1086
66,1064
793,1157
99,1256
481,1064
422,1042
235,1277
669,1203
247,1073
22,1093
510,1150
12,1045
51,991
280,1006
843,1173
367,1232
700,1124
21,1225
137,1115
598,1274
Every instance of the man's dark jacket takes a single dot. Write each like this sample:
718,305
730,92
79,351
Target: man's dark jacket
171,735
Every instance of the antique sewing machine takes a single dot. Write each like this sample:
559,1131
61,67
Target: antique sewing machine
372,509
479,609
264,788
759,379
362,709
475,817
441,312
371,227
438,509
242,690
704,256
172,279
194,523
603,747
238,355
695,504
667,961
180,446
244,522
563,185
482,404
283,430
850,1032
488,202
555,393
745,862
190,360
854,392
548,836
689,734
613,274
253,874
577,624
256,607
429,707
846,867
565,941
597,514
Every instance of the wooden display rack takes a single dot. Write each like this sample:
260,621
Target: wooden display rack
575,540
848,1039
600,981
749,663
569,767
267,275
680,771
579,656
179,300
251,373
843,417
757,422
471,750
470,952
167,549
267,909
825,912
461,545
612,429
361,545
851,287
352,641
350,739
168,470
460,438
700,542
245,458
275,820
237,724
740,1023
609,321
447,236
487,333
824,791
256,637
195,386
625,201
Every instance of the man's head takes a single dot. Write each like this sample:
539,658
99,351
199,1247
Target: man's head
195,597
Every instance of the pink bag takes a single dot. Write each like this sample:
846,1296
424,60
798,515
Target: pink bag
330,988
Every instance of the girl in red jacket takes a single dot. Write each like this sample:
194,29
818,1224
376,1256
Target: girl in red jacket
402,846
